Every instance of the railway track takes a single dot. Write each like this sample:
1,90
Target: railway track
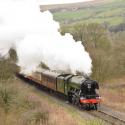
104,113
111,119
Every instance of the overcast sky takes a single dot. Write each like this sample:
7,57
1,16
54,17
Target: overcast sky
60,1
49,1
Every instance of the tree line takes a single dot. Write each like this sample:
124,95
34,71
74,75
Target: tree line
106,48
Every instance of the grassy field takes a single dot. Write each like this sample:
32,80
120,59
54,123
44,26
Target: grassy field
113,94
111,12
34,107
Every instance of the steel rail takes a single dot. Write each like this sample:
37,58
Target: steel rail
109,118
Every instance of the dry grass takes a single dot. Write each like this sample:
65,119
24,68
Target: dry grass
30,106
113,94
114,98
115,81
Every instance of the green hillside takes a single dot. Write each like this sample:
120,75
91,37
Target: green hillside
111,12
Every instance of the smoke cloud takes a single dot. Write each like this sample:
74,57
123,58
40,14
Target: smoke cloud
35,37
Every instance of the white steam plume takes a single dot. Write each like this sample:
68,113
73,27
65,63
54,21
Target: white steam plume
35,37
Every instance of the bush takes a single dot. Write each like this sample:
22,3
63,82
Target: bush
35,117
7,70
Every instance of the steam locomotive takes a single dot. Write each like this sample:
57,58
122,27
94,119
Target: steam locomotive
79,90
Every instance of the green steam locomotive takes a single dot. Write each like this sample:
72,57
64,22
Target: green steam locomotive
79,90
